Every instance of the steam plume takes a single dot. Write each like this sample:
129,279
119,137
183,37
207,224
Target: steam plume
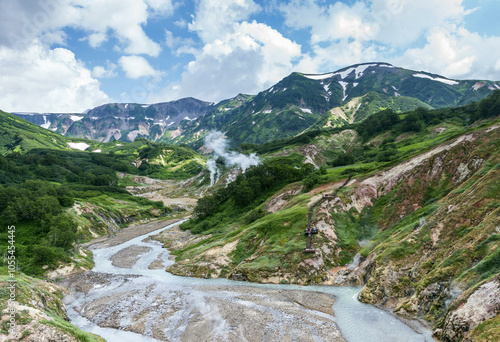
218,144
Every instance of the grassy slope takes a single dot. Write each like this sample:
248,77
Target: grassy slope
41,309
98,210
267,247
22,136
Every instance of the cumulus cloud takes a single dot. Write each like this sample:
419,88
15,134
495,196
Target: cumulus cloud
54,79
342,34
215,19
179,45
107,71
23,20
43,80
456,52
394,22
237,55
137,67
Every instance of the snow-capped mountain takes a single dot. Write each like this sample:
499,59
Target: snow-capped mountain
296,103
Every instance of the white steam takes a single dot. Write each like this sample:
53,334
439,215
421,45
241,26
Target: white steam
216,142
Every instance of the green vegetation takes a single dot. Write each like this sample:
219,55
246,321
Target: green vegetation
21,136
31,290
249,190
39,187
45,231
246,214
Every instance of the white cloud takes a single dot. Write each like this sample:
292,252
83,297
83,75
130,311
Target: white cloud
249,58
214,19
342,34
43,80
179,45
456,52
393,22
164,7
181,23
24,20
237,55
400,23
331,22
107,71
137,67
125,23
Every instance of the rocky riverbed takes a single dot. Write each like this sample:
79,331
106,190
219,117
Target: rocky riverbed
129,292
174,310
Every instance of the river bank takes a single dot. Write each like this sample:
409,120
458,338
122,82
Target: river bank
124,292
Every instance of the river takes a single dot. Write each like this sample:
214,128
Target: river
154,303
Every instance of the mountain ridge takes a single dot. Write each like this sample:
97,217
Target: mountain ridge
296,103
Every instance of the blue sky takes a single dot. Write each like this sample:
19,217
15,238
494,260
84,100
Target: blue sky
71,55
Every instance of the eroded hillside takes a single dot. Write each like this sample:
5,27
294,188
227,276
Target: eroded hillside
421,235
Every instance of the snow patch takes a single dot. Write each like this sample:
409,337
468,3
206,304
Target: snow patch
78,146
320,77
396,93
345,73
360,69
126,105
46,124
306,110
170,124
76,117
188,118
438,79
267,111
344,88
97,151
355,84
145,106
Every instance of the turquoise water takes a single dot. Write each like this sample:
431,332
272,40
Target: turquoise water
358,322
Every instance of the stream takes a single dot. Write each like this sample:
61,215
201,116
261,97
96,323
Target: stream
136,303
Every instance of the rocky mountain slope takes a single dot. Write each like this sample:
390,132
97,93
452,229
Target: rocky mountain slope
56,122
416,225
301,101
297,103
129,121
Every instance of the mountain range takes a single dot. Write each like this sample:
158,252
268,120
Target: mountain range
297,103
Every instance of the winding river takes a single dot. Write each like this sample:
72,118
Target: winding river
153,305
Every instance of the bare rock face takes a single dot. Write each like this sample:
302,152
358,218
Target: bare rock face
482,304
355,275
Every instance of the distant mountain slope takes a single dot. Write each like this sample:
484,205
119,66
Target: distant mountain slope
130,121
57,122
348,95
123,121
18,135
296,103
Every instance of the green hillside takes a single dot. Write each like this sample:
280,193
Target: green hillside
57,195
18,135
421,210
303,102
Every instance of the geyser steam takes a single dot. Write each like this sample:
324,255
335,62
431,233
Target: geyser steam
218,144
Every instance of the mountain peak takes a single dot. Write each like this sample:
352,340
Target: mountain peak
358,70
